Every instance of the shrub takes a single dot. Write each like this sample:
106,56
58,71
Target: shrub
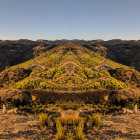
128,76
29,83
60,129
112,84
96,118
94,85
43,120
79,130
61,126
11,76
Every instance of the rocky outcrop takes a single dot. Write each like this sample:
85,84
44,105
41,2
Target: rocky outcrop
130,111
9,111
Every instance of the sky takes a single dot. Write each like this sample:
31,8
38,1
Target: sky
70,19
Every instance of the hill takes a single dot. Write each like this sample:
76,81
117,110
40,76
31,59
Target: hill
71,68
71,91
126,52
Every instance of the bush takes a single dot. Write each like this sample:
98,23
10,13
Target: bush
43,120
77,123
11,76
29,83
112,84
96,118
79,130
60,129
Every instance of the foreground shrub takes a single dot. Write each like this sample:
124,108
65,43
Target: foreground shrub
60,135
79,130
96,118
43,120
63,130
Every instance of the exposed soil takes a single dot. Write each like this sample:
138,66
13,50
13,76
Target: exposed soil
21,127
119,127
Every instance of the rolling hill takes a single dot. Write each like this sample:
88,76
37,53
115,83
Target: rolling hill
71,88
70,68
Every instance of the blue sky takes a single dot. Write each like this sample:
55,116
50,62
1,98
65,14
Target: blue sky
70,19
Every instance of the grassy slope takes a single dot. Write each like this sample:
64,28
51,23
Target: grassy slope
70,67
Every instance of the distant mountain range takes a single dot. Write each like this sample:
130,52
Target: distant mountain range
27,41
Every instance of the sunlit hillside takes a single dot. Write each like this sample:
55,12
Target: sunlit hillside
70,67
69,89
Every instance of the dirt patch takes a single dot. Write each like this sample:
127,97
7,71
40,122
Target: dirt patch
20,127
119,127
23,127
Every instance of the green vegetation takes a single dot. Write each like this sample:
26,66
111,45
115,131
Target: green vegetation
69,88
96,119
76,124
60,135
112,84
43,120
69,67
32,84
80,129
11,76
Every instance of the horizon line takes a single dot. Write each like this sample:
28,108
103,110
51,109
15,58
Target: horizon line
69,39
